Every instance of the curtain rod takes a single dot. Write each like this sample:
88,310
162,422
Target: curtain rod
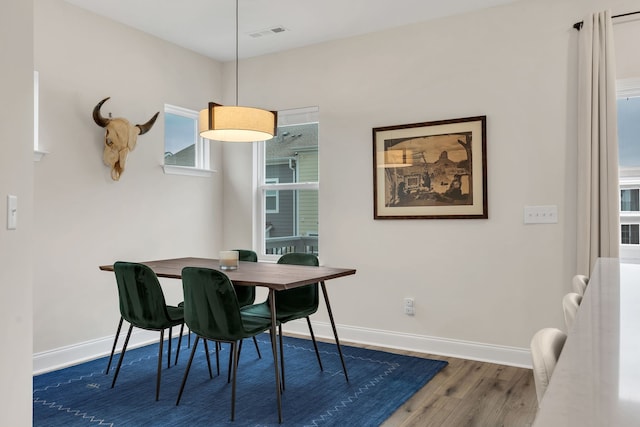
578,25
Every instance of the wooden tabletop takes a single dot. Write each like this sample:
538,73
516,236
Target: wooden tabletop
270,275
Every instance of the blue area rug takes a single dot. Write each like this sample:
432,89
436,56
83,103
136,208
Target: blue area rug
379,383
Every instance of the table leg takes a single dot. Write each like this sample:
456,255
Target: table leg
335,331
272,307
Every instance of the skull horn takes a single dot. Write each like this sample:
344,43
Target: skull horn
147,126
97,117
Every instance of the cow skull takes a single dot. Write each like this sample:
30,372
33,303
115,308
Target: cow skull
120,138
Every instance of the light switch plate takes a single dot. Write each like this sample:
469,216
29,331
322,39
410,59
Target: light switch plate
12,212
547,214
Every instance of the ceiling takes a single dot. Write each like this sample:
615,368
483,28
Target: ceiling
208,26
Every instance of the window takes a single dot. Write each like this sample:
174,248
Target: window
628,106
630,234
287,186
185,152
629,200
271,197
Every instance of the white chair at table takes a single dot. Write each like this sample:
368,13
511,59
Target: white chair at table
546,346
579,283
570,304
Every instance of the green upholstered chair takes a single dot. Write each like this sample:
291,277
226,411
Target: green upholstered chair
142,304
246,296
292,304
212,311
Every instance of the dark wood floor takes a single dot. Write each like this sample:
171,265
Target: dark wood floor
468,393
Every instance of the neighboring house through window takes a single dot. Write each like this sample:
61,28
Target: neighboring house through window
287,196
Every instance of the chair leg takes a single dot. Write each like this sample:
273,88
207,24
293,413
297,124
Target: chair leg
281,356
169,352
124,349
230,364
179,344
206,352
235,349
115,341
255,342
160,362
315,344
218,357
186,372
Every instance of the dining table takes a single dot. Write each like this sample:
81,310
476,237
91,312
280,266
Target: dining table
276,277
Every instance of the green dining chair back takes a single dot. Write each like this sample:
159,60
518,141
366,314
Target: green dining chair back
301,302
246,294
211,308
143,305
212,312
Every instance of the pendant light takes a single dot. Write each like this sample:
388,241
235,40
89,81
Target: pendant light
235,123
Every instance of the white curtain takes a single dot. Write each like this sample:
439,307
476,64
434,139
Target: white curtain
598,210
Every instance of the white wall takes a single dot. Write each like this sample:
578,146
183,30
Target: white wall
83,218
492,281
16,178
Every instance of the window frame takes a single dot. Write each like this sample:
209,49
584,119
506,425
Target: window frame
202,154
629,177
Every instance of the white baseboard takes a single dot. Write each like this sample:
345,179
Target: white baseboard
63,357
513,356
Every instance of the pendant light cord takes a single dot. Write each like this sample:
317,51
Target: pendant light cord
236,53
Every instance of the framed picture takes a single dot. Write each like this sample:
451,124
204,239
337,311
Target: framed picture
431,170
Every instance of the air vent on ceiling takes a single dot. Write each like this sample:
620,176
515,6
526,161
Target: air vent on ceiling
268,32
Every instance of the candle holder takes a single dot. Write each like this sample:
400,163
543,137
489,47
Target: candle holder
228,260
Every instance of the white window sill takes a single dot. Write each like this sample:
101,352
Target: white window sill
189,171
38,155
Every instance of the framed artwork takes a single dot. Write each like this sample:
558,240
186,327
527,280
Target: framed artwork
431,170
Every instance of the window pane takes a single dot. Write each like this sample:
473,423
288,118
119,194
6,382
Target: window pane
624,229
630,200
292,156
271,199
294,228
179,140
630,234
629,131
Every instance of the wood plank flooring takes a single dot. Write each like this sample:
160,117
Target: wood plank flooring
467,393
471,394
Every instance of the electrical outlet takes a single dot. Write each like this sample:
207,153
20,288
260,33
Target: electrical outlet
409,308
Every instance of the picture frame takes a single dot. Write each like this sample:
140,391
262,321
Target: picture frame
431,170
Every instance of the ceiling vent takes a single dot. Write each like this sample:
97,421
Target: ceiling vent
268,32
